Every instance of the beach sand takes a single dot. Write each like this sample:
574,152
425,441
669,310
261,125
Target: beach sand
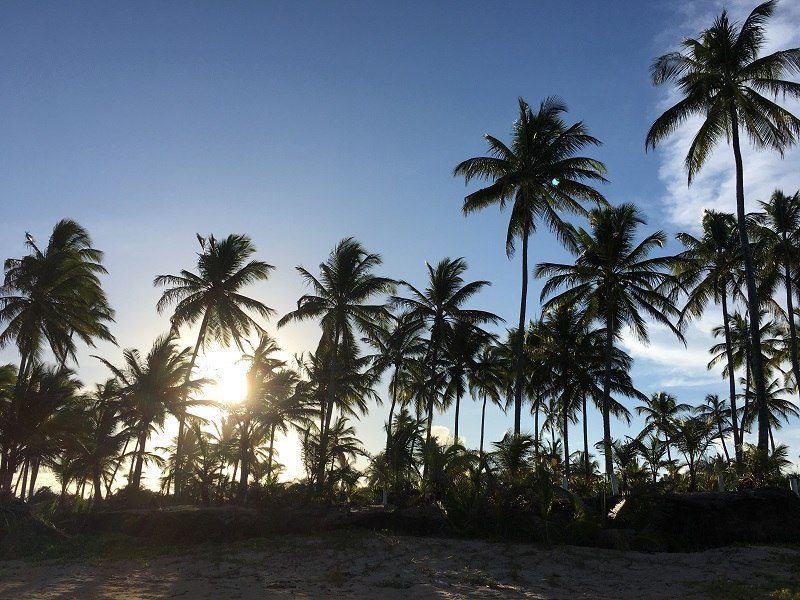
366,565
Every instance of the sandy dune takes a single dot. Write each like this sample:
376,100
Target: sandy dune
373,565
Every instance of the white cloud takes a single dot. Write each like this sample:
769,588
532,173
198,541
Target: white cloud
442,434
668,363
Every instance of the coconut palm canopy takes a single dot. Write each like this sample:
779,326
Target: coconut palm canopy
300,125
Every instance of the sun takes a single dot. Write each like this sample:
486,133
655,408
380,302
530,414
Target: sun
225,367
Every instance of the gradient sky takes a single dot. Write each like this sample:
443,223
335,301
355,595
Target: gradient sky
301,123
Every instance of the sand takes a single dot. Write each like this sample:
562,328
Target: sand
374,565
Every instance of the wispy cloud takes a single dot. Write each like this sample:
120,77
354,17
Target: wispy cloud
667,363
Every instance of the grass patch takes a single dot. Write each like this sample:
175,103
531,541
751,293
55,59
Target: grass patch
480,579
723,588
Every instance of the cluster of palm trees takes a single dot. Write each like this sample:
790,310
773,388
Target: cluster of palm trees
432,345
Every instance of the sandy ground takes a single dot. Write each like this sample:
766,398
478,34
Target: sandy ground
373,565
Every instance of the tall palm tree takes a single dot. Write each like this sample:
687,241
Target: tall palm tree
781,220
213,296
618,283
54,295
706,270
341,300
438,308
152,388
725,81
541,177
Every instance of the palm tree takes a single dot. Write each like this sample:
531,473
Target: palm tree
406,437
652,451
566,349
35,422
661,411
99,442
462,347
693,435
617,282
738,329
540,176
724,81
438,308
213,297
271,405
341,301
55,295
706,269
716,411
488,379
151,389
781,221
571,357
397,346
779,408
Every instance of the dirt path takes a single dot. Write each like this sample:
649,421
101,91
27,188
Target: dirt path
372,565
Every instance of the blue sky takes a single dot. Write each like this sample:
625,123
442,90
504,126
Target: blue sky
302,123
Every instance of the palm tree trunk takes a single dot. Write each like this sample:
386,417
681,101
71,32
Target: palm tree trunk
116,467
586,442
606,401
431,397
483,422
746,409
244,460
328,409
737,440
565,408
391,416
790,310
179,479
98,486
724,445
137,471
34,475
22,479
667,444
271,450
3,471
458,408
536,427
520,341
752,293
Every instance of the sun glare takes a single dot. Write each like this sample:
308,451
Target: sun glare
225,367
